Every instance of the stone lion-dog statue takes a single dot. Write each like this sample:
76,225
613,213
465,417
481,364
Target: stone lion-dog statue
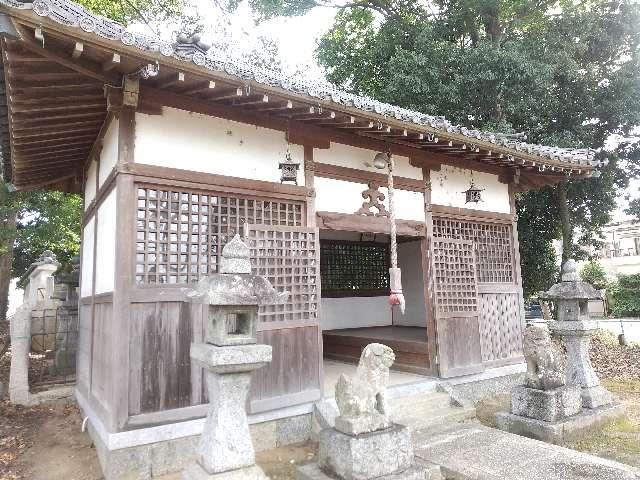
545,369
361,399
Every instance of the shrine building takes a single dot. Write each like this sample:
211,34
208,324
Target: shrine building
177,147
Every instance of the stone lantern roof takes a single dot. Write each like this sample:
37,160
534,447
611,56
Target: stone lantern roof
235,285
571,288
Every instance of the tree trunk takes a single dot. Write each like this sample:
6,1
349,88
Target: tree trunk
565,221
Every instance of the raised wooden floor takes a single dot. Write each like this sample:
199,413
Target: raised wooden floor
408,343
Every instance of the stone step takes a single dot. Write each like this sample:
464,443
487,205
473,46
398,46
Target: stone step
431,412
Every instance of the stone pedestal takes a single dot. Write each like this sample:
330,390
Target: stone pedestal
225,450
366,456
577,337
546,405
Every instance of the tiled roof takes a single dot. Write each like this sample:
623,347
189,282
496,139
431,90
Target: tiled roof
217,60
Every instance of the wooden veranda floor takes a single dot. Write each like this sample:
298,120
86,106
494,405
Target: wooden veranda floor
408,343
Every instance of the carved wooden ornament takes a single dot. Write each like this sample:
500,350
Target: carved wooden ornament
374,199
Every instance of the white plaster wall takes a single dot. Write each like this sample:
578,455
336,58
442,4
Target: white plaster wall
106,244
450,182
90,185
354,312
109,152
86,284
410,262
341,196
191,141
361,159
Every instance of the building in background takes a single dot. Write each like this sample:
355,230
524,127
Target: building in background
621,252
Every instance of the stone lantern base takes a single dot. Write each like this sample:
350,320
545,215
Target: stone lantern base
559,431
196,472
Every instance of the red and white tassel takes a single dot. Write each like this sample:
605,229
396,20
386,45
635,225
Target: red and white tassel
395,280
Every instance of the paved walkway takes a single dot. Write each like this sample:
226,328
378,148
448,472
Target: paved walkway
476,452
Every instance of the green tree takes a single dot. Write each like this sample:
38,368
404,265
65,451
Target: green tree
566,74
626,296
593,273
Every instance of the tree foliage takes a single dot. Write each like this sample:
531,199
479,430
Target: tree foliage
593,273
626,296
567,74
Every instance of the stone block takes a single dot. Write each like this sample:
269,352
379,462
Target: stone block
196,472
365,456
293,430
595,397
415,472
369,422
128,463
571,428
263,436
172,456
546,405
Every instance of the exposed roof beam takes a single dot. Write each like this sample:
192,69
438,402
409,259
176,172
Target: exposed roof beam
252,100
288,105
227,94
111,63
79,65
77,50
173,79
203,87
57,108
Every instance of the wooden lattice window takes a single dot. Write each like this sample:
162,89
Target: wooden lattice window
454,279
288,258
180,233
354,269
492,244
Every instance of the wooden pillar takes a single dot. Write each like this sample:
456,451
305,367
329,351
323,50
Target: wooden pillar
425,249
517,269
309,182
124,270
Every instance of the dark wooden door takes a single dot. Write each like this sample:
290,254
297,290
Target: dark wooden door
290,258
455,306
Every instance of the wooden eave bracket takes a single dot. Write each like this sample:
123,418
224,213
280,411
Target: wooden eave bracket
126,96
130,91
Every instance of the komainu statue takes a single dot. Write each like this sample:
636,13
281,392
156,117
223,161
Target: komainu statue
545,370
362,399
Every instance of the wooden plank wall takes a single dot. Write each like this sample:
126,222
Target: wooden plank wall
101,384
501,327
85,324
160,368
293,375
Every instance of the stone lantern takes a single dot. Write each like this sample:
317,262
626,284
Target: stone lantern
573,324
229,355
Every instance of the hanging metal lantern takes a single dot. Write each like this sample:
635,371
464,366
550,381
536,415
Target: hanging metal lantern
289,169
472,194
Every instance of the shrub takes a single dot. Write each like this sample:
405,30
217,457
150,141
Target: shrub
593,273
626,296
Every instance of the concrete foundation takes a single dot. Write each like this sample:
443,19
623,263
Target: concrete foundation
415,472
562,430
196,472
151,452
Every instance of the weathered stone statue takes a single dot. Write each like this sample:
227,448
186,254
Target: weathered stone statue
549,406
361,400
545,369
365,444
